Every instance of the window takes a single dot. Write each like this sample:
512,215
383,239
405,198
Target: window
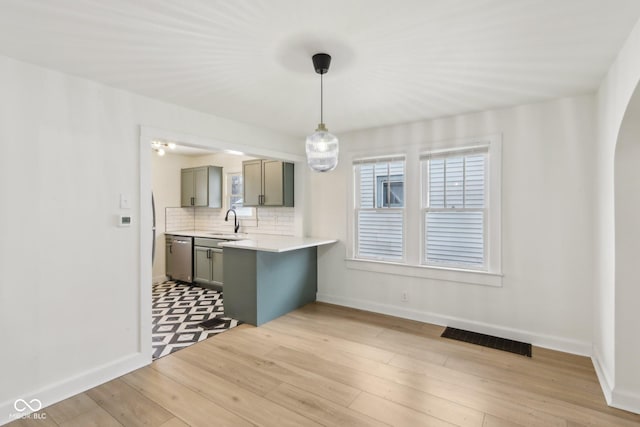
433,211
379,213
454,206
390,191
235,197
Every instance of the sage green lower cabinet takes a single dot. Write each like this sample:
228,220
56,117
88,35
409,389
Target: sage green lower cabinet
208,263
260,286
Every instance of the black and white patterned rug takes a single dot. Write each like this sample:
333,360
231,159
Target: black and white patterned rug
177,311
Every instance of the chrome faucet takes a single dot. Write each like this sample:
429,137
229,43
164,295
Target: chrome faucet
236,224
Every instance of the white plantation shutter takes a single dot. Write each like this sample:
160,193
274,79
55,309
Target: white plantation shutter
455,237
380,234
454,207
379,213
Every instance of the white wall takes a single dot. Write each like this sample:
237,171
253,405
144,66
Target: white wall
612,101
70,293
165,183
547,256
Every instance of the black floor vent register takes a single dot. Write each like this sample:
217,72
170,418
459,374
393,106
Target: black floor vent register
517,347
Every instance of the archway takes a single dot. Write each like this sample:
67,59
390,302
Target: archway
627,255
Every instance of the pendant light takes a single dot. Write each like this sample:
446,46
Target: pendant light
322,147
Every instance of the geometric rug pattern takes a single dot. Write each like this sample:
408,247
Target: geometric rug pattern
177,311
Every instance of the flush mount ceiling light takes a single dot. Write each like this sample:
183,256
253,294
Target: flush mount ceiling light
322,147
234,152
159,147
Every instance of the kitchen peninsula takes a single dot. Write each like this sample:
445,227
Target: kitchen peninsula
268,276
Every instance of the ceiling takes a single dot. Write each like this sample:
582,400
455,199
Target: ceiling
393,61
186,150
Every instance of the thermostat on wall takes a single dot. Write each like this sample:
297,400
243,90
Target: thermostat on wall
125,221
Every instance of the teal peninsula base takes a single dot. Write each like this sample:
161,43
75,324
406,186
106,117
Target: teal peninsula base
260,286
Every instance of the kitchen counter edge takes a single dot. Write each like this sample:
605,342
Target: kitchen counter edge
277,243
267,243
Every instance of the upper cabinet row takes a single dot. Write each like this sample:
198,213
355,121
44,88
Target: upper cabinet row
267,183
201,186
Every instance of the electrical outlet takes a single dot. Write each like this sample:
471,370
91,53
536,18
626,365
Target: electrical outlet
405,296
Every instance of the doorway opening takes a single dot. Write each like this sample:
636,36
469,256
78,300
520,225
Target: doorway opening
175,306
627,248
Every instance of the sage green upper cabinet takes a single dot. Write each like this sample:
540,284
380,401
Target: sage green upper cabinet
252,182
201,186
273,183
267,183
187,186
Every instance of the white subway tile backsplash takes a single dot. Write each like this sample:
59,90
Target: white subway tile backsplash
179,219
268,220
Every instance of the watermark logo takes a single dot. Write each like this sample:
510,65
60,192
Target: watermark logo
28,409
22,405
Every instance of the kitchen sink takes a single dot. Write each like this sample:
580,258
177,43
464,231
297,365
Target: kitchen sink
229,236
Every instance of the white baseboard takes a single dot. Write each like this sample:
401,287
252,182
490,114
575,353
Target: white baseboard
540,340
160,279
615,396
623,399
603,377
61,390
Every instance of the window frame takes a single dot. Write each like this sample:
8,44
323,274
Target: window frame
380,186
425,208
413,225
356,208
229,194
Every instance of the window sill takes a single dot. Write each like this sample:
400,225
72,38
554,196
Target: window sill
426,272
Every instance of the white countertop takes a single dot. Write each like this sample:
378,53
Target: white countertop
277,243
257,242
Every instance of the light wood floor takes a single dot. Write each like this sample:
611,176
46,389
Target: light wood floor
333,366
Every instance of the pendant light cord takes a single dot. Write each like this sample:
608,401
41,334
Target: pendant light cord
321,100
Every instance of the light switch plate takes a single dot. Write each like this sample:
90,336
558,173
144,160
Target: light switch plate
124,201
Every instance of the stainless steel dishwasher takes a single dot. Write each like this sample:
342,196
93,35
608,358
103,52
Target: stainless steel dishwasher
179,258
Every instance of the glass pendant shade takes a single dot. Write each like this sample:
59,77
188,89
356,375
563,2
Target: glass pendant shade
322,150
321,146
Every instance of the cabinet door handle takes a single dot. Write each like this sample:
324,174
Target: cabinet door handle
171,248
209,253
193,201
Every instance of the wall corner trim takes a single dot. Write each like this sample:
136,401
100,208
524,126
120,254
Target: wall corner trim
601,373
56,392
615,396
